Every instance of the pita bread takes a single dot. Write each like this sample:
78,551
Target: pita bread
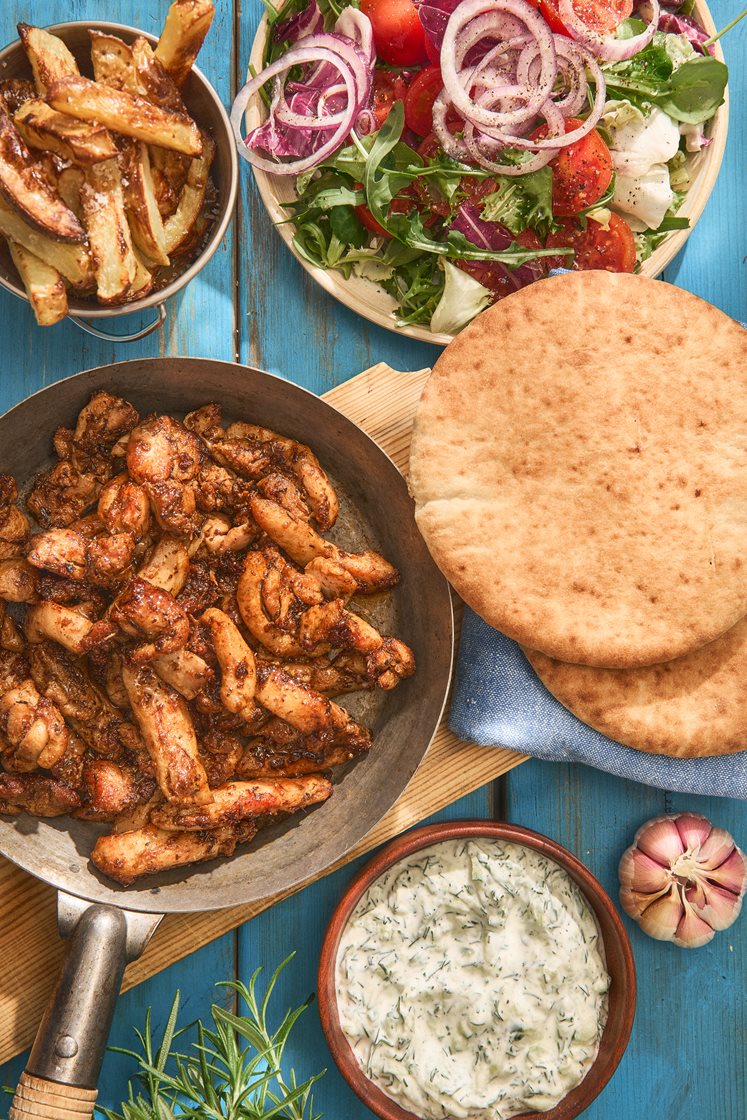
579,467
694,706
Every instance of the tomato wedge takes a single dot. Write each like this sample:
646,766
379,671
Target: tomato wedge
399,205
581,172
602,16
424,89
610,250
388,88
398,33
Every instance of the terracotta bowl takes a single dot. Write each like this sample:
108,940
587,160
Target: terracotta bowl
619,956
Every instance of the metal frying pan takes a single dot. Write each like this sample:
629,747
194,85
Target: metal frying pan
110,925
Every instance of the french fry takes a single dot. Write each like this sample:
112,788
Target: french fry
108,232
169,171
153,80
181,223
14,92
72,260
69,182
44,286
187,24
74,141
112,61
142,281
48,56
29,192
143,214
126,114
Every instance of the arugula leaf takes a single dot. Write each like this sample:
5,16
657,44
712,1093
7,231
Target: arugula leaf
347,226
522,202
696,90
642,78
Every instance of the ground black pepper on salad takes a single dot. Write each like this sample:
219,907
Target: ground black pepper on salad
452,151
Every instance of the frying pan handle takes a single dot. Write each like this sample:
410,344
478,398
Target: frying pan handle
63,1068
142,333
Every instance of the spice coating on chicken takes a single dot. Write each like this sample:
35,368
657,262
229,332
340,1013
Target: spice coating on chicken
164,457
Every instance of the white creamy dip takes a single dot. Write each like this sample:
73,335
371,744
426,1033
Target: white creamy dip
471,981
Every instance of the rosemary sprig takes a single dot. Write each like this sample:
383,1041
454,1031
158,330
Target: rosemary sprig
230,1071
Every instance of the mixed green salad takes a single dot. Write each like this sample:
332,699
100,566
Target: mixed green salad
452,151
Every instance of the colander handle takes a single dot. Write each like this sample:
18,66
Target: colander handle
142,333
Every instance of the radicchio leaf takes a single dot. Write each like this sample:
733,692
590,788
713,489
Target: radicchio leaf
673,24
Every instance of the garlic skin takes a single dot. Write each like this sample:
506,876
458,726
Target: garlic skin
682,879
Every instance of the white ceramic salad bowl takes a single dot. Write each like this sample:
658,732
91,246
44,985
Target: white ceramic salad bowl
369,300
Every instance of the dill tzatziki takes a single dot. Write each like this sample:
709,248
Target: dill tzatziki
471,981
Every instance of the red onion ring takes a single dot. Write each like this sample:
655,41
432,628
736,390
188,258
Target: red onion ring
607,47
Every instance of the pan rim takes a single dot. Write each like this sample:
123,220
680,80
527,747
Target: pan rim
148,900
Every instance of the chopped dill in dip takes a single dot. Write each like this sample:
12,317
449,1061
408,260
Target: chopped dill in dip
471,981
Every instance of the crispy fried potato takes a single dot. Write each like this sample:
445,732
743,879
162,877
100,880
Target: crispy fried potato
108,231
75,141
179,227
112,61
169,171
48,56
28,191
153,80
126,113
69,182
44,286
72,260
15,92
141,205
187,24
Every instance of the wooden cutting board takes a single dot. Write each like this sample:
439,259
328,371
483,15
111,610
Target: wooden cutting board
383,403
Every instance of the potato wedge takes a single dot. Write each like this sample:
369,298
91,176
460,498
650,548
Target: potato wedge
142,282
15,92
179,226
44,286
29,192
49,58
141,204
72,260
112,61
108,232
74,141
69,182
153,80
169,171
126,114
187,24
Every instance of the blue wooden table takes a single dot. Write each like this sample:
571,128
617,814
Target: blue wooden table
687,1058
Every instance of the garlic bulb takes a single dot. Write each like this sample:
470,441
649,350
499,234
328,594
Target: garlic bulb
682,879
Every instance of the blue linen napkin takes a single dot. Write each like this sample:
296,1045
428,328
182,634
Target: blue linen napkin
498,700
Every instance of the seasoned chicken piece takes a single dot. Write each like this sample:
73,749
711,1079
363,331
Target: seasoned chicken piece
70,628
138,815
103,421
167,566
101,726
18,581
201,588
280,750
184,671
62,493
103,561
69,768
238,800
301,707
110,789
32,725
124,507
247,458
14,525
329,677
220,753
128,856
279,488
165,457
219,489
14,670
219,534
387,661
333,578
299,461
143,610
249,595
236,660
38,794
169,735
303,544
205,419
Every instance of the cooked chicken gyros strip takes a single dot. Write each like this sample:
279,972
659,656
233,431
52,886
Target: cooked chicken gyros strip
34,726
301,707
102,560
167,566
124,507
165,457
303,544
184,671
249,597
169,735
236,660
64,625
237,800
14,525
18,581
111,789
38,794
128,856
143,610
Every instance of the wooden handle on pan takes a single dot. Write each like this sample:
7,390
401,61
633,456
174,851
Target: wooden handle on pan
37,1099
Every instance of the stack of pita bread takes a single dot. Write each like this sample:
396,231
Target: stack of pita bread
579,467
